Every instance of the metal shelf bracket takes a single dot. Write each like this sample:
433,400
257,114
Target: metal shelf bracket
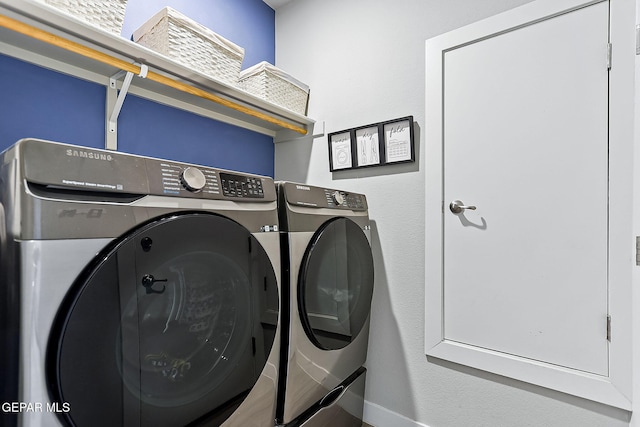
115,99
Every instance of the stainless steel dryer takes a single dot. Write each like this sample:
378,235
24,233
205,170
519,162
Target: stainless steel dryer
327,288
135,291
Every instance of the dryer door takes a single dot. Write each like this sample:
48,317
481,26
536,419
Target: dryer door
335,285
164,329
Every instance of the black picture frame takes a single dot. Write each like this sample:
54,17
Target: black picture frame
398,140
341,150
367,146
376,144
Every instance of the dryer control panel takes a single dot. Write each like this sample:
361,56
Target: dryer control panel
319,197
343,199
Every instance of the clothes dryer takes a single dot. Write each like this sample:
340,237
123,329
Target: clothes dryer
328,273
135,291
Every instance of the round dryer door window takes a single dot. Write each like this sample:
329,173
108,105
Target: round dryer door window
336,284
169,327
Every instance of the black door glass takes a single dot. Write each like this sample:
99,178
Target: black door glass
190,329
336,284
166,328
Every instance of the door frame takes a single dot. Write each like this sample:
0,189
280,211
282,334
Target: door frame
614,389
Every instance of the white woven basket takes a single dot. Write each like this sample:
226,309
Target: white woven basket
105,14
172,34
274,85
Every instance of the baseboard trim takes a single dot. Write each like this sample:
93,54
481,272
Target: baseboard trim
377,416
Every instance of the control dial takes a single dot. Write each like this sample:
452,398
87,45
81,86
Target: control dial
193,179
338,198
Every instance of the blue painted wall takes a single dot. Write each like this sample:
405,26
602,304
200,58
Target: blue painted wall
42,104
36,102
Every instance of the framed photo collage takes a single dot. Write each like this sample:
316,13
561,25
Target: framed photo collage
378,144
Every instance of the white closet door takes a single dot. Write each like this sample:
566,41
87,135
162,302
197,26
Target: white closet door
525,141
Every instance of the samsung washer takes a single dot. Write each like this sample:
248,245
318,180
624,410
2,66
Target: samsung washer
135,291
327,288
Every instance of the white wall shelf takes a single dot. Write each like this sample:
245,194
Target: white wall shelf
175,84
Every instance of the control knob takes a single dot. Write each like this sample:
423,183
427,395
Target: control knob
193,179
338,198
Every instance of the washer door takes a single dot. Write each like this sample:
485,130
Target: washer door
335,285
164,329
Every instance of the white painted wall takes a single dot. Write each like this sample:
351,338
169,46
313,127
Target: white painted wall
364,61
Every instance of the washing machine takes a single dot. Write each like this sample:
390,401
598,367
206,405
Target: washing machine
327,287
135,291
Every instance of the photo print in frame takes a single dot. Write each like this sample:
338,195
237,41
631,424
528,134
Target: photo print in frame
377,144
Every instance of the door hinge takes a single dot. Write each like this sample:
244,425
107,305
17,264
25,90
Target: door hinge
608,328
637,250
637,39
609,48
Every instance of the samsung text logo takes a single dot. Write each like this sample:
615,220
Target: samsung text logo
89,155
303,187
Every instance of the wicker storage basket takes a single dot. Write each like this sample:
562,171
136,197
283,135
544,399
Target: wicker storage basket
273,85
105,14
171,33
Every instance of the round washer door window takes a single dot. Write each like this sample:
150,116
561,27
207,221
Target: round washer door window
166,328
335,285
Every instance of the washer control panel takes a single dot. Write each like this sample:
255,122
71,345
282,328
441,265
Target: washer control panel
93,170
175,179
241,186
183,180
